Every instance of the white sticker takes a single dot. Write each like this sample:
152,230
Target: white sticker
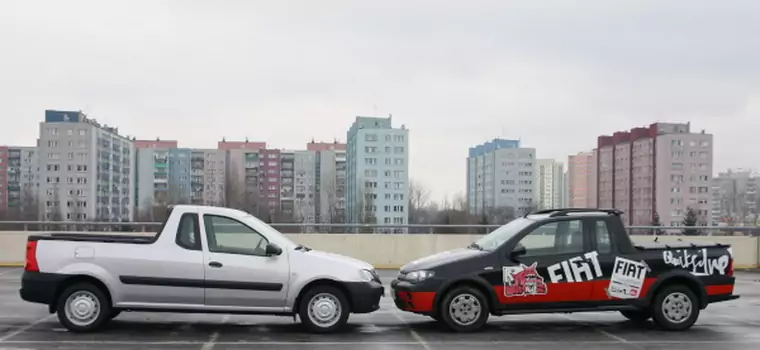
627,279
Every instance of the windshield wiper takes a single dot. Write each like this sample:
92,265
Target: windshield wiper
303,247
475,246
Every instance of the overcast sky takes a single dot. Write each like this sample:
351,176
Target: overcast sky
457,73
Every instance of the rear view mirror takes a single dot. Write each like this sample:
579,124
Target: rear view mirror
272,249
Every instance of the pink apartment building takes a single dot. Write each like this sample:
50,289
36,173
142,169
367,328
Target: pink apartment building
581,173
663,168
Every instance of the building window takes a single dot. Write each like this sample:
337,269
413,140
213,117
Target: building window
370,137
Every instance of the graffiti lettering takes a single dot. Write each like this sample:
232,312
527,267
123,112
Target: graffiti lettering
696,261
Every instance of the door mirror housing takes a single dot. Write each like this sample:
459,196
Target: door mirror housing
518,251
272,250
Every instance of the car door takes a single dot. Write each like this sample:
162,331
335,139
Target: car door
171,273
623,279
553,269
238,273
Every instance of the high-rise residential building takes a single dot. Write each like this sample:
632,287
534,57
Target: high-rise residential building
581,180
549,183
330,181
19,183
735,199
86,169
501,175
304,167
163,174
252,174
377,172
663,168
207,176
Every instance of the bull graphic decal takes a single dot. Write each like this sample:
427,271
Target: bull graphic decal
523,281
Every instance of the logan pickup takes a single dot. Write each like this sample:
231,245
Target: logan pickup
203,260
566,260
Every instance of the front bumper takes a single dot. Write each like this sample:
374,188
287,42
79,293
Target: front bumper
365,296
414,297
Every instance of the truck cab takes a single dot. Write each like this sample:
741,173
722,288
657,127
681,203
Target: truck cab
566,260
203,259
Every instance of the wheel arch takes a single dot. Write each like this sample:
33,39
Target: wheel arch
476,282
321,282
70,281
678,277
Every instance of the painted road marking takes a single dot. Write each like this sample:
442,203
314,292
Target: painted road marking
24,329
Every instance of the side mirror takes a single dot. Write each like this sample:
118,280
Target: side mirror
272,249
518,251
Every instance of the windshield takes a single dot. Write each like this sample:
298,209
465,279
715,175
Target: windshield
502,234
269,231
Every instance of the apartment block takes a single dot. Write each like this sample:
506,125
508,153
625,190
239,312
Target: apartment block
19,183
735,199
377,172
549,183
501,174
304,177
86,169
207,176
663,168
581,180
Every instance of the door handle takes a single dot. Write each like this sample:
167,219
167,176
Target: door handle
215,264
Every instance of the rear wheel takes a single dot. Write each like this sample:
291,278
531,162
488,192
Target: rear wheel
637,315
464,309
324,309
83,307
675,308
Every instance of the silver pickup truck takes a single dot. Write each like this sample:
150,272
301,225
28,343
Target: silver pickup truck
203,260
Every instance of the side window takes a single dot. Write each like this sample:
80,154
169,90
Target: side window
230,236
603,241
560,237
188,232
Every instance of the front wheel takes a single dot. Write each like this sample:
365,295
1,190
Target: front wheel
464,309
83,307
675,308
324,309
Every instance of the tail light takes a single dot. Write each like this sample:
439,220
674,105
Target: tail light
730,269
31,257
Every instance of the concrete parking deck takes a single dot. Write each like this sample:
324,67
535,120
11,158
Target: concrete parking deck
726,326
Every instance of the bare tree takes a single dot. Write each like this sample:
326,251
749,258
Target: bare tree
418,201
177,195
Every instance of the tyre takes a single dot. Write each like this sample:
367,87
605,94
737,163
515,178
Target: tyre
83,307
637,315
675,308
324,309
464,309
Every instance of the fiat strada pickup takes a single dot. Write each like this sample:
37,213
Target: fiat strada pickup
567,260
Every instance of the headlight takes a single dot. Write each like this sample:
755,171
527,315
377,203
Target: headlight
367,275
418,276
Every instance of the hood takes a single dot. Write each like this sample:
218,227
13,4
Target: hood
341,259
442,258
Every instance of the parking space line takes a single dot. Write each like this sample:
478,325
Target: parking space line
416,336
4,338
595,327
214,336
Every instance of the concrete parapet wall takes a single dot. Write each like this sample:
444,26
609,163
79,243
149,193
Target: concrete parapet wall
392,251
